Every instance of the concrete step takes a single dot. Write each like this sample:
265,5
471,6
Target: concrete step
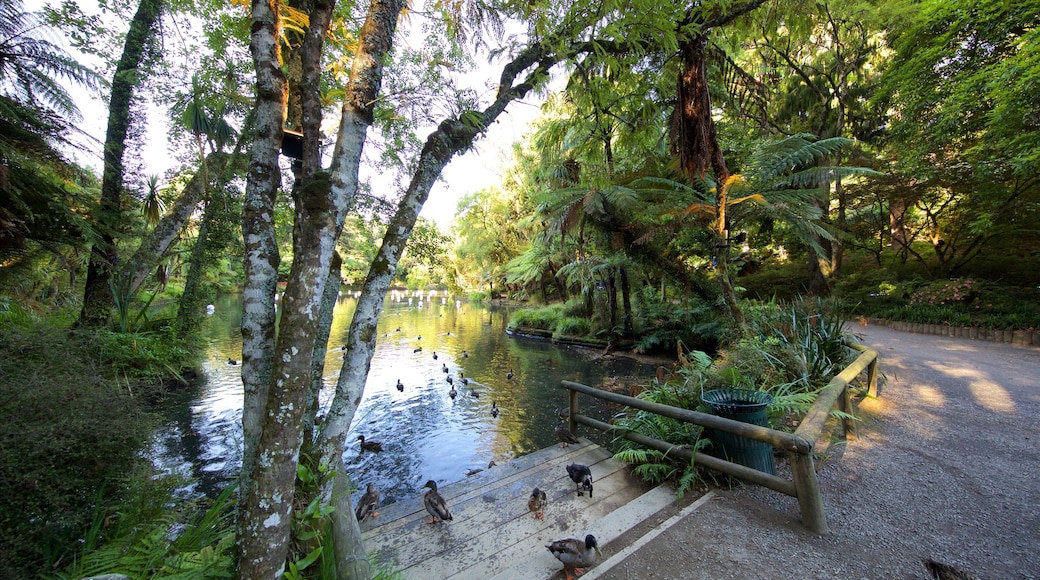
493,532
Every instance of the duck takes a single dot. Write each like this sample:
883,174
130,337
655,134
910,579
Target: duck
373,446
368,504
450,380
452,393
494,409
444,368
564,434
232,361
474,394
581,475
434,355
417,350
575,554
465,354
479,469
509,375
400,385
564,413
435,504
536,503
418,337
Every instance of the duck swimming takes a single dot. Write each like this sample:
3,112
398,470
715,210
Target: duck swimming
373,446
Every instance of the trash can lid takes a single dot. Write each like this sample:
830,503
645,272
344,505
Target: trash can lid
736,400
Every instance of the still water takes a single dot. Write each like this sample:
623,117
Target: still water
425,433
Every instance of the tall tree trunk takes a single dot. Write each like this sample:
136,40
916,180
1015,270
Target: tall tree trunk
260,540
612,317
626,302
97,295
695,139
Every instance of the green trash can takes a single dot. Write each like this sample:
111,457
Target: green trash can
747,406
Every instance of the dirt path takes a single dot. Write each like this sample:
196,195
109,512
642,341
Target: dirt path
946,467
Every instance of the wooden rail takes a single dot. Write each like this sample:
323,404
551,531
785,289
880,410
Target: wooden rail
798,445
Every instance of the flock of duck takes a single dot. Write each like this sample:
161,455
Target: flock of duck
575,554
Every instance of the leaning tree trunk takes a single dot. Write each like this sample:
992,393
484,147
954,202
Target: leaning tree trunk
450,137
97,295
190,306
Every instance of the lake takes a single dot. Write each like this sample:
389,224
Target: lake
425,433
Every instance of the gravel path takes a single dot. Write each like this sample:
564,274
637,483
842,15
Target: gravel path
945,468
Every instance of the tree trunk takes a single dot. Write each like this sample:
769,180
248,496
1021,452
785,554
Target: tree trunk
612,317
261,524
696,141
190,307
450,137
626,302
162,237
97,295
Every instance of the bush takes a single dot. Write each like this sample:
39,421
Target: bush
543,318
572,326
70,445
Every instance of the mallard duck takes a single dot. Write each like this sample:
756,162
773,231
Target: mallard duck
494,409
509,375
434,355
564,434
368,504
435,504
400,385
479,469
575,554
373,446
417,350
536,503
444,368
232,361
581,475
564,413
452,393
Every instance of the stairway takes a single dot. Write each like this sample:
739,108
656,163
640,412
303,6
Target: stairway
493,533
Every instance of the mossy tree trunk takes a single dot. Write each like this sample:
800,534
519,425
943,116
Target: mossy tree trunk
97,294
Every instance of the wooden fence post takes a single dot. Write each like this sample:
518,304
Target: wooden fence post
810,500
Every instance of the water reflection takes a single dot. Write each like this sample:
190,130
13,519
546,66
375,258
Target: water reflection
426,434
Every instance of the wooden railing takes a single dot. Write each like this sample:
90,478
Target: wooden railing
799,445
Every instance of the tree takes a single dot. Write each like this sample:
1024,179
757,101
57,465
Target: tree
963,147
97,295
40,190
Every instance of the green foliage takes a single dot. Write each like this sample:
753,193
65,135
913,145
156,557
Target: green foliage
72,430
572,326
652,465
790,352
543,318
201,547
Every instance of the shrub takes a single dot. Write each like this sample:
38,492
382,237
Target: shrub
70,436
543,318
572,326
